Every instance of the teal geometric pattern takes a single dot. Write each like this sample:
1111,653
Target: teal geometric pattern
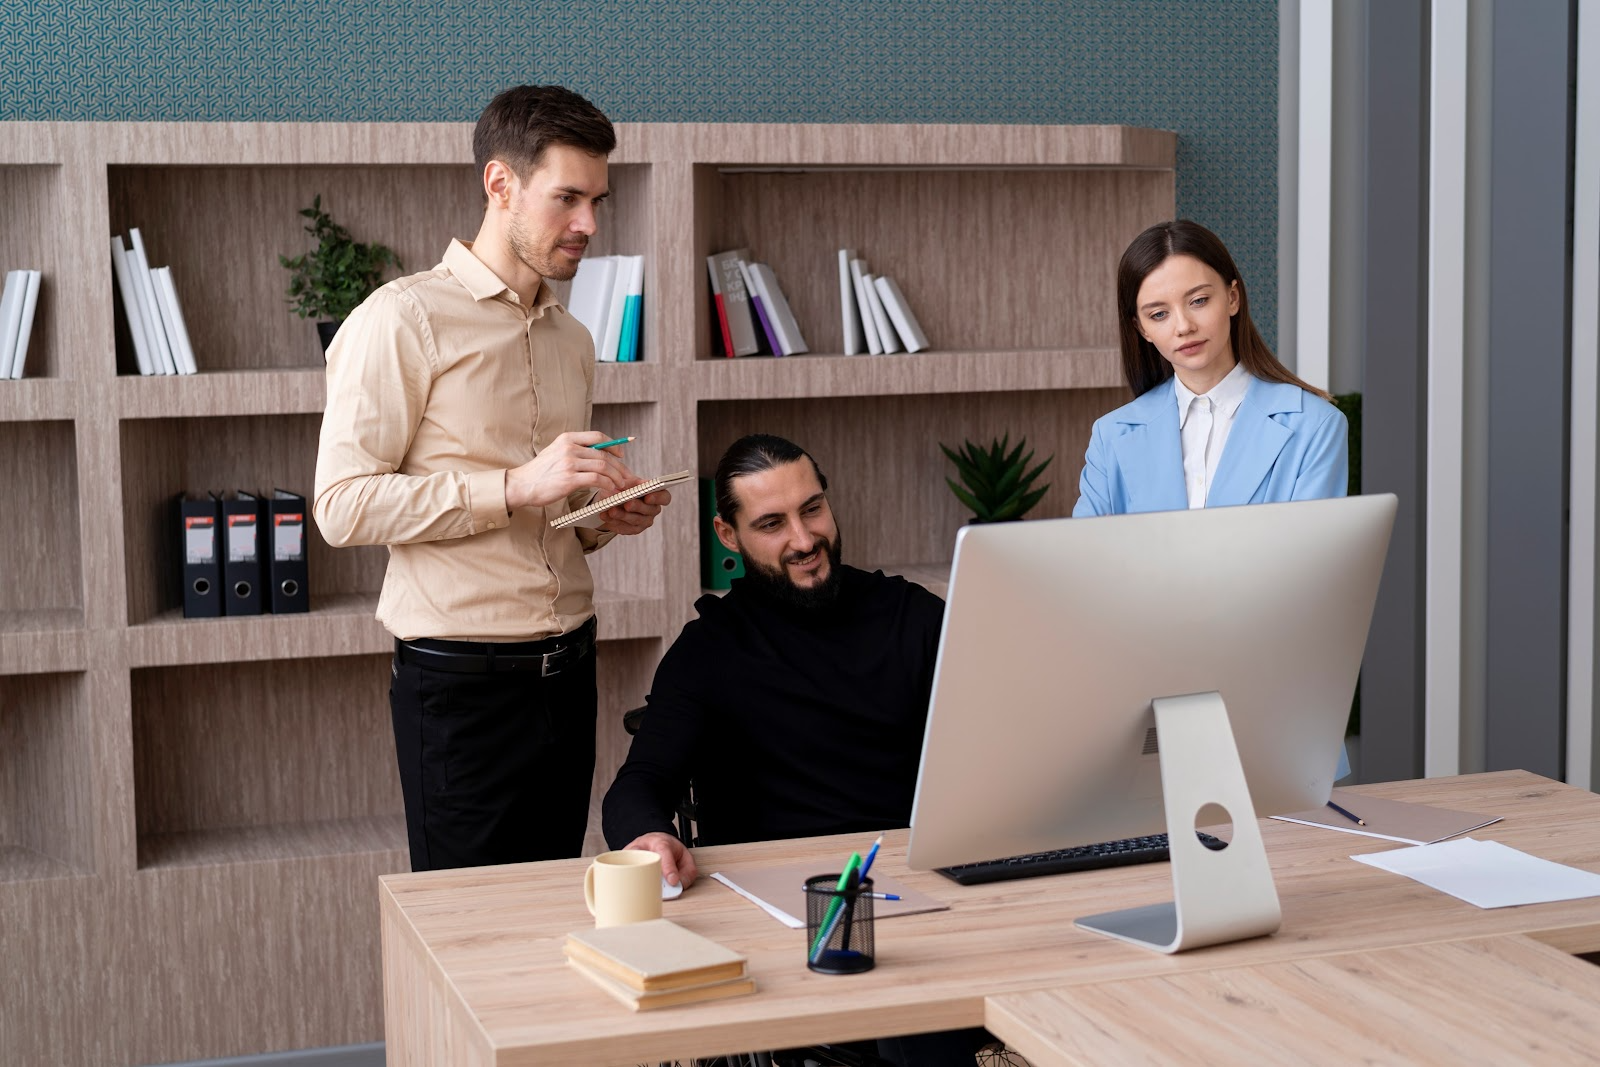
1207,69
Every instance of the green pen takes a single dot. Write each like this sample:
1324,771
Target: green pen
613,441
832,916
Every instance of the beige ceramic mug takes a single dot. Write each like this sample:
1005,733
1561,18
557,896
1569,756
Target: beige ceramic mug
623,887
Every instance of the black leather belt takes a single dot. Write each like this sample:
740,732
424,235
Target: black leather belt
550,656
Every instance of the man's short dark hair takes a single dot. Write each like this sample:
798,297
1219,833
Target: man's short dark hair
521,122
753,454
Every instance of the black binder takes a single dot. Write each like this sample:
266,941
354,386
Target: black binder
243,570
286,567
199,549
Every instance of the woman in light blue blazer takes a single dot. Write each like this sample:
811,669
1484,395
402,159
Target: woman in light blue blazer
1216,420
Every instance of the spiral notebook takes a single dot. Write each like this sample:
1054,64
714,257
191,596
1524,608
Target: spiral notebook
589,515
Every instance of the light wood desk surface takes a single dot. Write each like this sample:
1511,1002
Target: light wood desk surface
474,974
1494,1001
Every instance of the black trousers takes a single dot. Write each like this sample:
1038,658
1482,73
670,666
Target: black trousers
494,768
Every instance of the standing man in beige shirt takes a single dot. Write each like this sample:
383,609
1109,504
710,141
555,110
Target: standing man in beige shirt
456,429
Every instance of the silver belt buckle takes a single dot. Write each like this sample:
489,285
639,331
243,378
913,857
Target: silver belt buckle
545,670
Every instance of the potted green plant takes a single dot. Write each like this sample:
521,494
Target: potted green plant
996,482
331,280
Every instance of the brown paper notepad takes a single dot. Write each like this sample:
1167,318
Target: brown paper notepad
780,891
1392,820
589,514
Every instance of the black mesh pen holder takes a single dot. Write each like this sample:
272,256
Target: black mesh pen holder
838,926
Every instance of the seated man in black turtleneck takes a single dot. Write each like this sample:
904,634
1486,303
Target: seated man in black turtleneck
796,702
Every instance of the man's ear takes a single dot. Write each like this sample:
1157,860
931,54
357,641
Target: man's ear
725,533
498,180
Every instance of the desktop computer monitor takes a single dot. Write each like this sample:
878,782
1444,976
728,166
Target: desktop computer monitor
1065,639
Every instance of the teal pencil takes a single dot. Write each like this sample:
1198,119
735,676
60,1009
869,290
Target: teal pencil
613,441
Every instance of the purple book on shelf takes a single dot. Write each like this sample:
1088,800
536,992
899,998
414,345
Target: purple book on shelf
761,310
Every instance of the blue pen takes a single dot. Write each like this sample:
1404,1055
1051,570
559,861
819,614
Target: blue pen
872,854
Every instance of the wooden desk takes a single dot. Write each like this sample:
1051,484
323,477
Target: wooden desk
1493,1001
473,970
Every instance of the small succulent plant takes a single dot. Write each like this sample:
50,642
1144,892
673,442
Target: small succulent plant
996,483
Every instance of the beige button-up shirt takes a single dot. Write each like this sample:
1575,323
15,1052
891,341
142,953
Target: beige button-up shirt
437,385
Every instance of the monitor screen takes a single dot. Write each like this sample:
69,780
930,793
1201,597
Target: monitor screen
1059,634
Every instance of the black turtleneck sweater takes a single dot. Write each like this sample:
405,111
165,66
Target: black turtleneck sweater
791,723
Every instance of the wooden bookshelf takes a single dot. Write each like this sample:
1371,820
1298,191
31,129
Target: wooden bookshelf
219,796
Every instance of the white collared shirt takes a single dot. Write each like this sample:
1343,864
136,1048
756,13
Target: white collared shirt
1204,421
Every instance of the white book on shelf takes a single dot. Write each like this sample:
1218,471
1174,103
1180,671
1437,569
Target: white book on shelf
172,319
30,302
131,309
854,340
905,323
11,317
610,340
783,321
591,294
154,329
858,271
880,317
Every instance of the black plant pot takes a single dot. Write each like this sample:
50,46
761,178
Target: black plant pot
325,332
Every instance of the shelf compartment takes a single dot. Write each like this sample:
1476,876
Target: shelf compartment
766,377
239,318
886,473
164,456
40,551
988,258
31,211
254,759
292,390
340,624
42,641
46,774
630,568
34,399
265,844
627,383
296,391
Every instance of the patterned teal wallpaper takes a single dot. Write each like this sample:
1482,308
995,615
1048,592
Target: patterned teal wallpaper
1205,68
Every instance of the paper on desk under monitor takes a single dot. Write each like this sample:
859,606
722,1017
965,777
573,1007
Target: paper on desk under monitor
780,892
1486,873
1392,820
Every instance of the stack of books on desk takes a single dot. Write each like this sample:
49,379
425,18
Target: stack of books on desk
657,964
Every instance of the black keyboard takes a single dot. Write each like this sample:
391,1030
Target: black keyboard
1129,850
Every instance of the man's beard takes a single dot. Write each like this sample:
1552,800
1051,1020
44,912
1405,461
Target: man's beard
550,264
776,583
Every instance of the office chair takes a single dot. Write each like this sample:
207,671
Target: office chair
685,825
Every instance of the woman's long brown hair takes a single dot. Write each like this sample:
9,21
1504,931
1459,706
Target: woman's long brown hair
1142,364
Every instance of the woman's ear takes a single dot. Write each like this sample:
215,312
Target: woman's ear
1233,298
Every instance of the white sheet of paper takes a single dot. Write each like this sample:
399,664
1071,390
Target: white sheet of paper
1486,873
777,913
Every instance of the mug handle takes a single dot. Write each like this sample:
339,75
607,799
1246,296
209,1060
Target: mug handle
588,889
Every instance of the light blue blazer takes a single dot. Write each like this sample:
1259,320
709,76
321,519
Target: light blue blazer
1286,444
